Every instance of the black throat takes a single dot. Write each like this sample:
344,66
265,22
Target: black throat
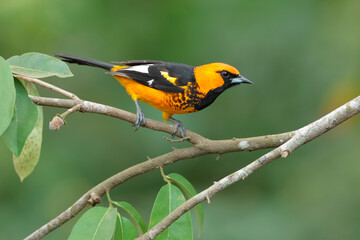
209,98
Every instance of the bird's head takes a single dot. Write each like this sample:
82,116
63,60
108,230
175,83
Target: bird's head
217,77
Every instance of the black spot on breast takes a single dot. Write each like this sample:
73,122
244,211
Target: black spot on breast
191,98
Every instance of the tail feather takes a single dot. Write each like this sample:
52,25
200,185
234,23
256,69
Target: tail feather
84,61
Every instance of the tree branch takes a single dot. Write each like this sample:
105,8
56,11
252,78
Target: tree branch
92,107
201,146
219,146
207,147
49,86
301,137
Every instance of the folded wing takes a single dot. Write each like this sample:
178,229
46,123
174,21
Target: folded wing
164,76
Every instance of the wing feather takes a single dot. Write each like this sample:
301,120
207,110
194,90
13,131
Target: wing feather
167,77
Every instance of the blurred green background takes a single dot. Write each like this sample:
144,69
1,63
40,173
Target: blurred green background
304,57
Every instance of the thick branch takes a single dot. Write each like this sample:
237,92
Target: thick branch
206,147
202,146
218,146
302,136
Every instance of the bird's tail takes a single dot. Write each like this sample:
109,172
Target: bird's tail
84,61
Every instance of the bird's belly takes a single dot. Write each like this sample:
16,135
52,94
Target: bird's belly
174,103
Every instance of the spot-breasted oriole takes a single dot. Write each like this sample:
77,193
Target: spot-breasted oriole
173,88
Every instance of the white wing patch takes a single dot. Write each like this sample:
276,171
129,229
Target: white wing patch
139,68
150,82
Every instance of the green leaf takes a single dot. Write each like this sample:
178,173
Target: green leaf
30,154
124,230
167,200
38,65
135,216
98,223
7,95
190,191
23,120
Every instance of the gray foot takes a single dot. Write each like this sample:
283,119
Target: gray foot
140,121
178,126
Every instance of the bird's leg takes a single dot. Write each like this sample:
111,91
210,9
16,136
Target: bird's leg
178,126
140,116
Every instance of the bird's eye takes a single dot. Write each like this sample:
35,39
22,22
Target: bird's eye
225,74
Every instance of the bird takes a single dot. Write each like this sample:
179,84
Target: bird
173,88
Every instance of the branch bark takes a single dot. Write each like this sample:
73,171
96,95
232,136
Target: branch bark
92,107
301,137
206,147
201,146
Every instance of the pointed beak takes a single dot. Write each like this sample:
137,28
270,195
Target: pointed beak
241,79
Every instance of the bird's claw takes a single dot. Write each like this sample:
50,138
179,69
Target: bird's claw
140,120
178,126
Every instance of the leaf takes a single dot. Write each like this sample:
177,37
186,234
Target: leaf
167,200
7,95
38,65
30,154
124,230
23,120
190,191
135,216
97,223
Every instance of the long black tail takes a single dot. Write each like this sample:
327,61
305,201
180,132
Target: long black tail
84,61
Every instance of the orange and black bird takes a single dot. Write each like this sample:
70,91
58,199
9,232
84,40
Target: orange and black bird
173,88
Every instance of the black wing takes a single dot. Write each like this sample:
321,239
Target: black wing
168,77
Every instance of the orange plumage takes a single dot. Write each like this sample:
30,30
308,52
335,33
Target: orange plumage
172,88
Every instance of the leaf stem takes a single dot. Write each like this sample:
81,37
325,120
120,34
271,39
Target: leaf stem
164,176
109,199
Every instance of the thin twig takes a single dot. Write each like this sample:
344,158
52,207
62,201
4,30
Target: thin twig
49,86
75,108
301,137
59,120
163,175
